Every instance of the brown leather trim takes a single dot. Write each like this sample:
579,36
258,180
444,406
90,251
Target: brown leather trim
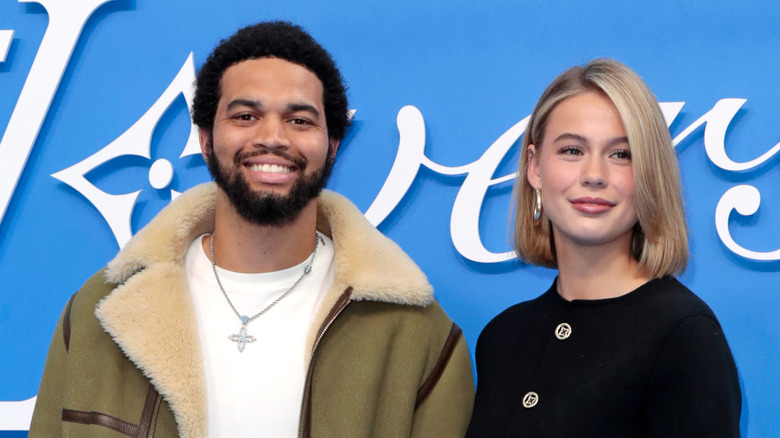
334,311
148,412
99,419
438,369
337,308
66,323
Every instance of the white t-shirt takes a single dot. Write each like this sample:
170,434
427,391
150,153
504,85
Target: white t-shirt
257,392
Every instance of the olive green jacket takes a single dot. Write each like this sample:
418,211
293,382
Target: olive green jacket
125,359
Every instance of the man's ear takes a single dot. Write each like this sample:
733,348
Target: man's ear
334,147
205,143
532,170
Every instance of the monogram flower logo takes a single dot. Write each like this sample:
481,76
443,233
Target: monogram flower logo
133,145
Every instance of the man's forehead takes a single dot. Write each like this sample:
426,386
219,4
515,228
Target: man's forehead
259,78
271,65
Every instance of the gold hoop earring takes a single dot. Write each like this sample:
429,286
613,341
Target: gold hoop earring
538,205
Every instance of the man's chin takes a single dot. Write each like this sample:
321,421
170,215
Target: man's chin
269,204
265,192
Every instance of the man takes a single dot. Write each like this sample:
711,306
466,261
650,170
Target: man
259,305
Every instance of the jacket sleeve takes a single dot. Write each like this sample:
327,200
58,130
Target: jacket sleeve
47,416
446,410
694,390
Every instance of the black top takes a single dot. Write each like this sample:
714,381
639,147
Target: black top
653,362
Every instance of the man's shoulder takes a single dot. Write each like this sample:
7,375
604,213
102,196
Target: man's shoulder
95,288
375,267
91,293
78,320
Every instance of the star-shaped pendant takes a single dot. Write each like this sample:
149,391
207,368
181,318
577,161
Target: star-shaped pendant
242,338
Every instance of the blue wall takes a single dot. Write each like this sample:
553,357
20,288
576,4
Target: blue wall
470,73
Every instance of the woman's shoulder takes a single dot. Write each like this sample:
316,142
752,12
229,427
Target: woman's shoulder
668,307
520,314
669,295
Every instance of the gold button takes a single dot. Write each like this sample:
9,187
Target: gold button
563,331
530,400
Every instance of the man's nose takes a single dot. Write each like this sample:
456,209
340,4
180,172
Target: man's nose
271,133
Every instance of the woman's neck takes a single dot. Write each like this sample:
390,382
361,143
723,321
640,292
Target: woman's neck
597,272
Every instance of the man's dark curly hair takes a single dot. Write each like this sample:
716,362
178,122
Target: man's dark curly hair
272,39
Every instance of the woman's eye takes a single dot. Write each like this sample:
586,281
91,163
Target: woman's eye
622,154
570,150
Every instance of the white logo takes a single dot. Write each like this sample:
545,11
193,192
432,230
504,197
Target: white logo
118,209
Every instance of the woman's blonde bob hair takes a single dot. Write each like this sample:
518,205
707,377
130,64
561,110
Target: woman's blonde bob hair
660,238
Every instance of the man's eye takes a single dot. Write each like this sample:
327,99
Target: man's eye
244,117
298,121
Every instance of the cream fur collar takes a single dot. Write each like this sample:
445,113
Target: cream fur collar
150,313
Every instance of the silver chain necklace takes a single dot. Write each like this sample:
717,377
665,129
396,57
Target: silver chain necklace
242,337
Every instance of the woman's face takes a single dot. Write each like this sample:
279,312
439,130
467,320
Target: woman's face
583,167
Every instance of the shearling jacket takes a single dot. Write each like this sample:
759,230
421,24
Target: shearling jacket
125,359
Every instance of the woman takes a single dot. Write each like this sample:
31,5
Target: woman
617,347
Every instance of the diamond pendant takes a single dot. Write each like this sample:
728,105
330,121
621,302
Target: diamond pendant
242,338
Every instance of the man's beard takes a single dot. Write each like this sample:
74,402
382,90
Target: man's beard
268,208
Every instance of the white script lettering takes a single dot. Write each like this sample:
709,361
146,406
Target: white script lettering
66,20
467,208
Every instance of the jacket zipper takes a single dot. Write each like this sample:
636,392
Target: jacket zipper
306,387
156,411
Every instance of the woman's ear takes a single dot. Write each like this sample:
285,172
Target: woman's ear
532,170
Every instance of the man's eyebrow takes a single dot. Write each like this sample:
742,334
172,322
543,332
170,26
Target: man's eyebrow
305,107
254,104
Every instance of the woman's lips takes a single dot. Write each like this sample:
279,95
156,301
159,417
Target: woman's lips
592,205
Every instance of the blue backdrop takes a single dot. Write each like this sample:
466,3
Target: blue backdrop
96,139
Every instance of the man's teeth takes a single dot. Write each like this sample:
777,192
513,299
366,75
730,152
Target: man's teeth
269,168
